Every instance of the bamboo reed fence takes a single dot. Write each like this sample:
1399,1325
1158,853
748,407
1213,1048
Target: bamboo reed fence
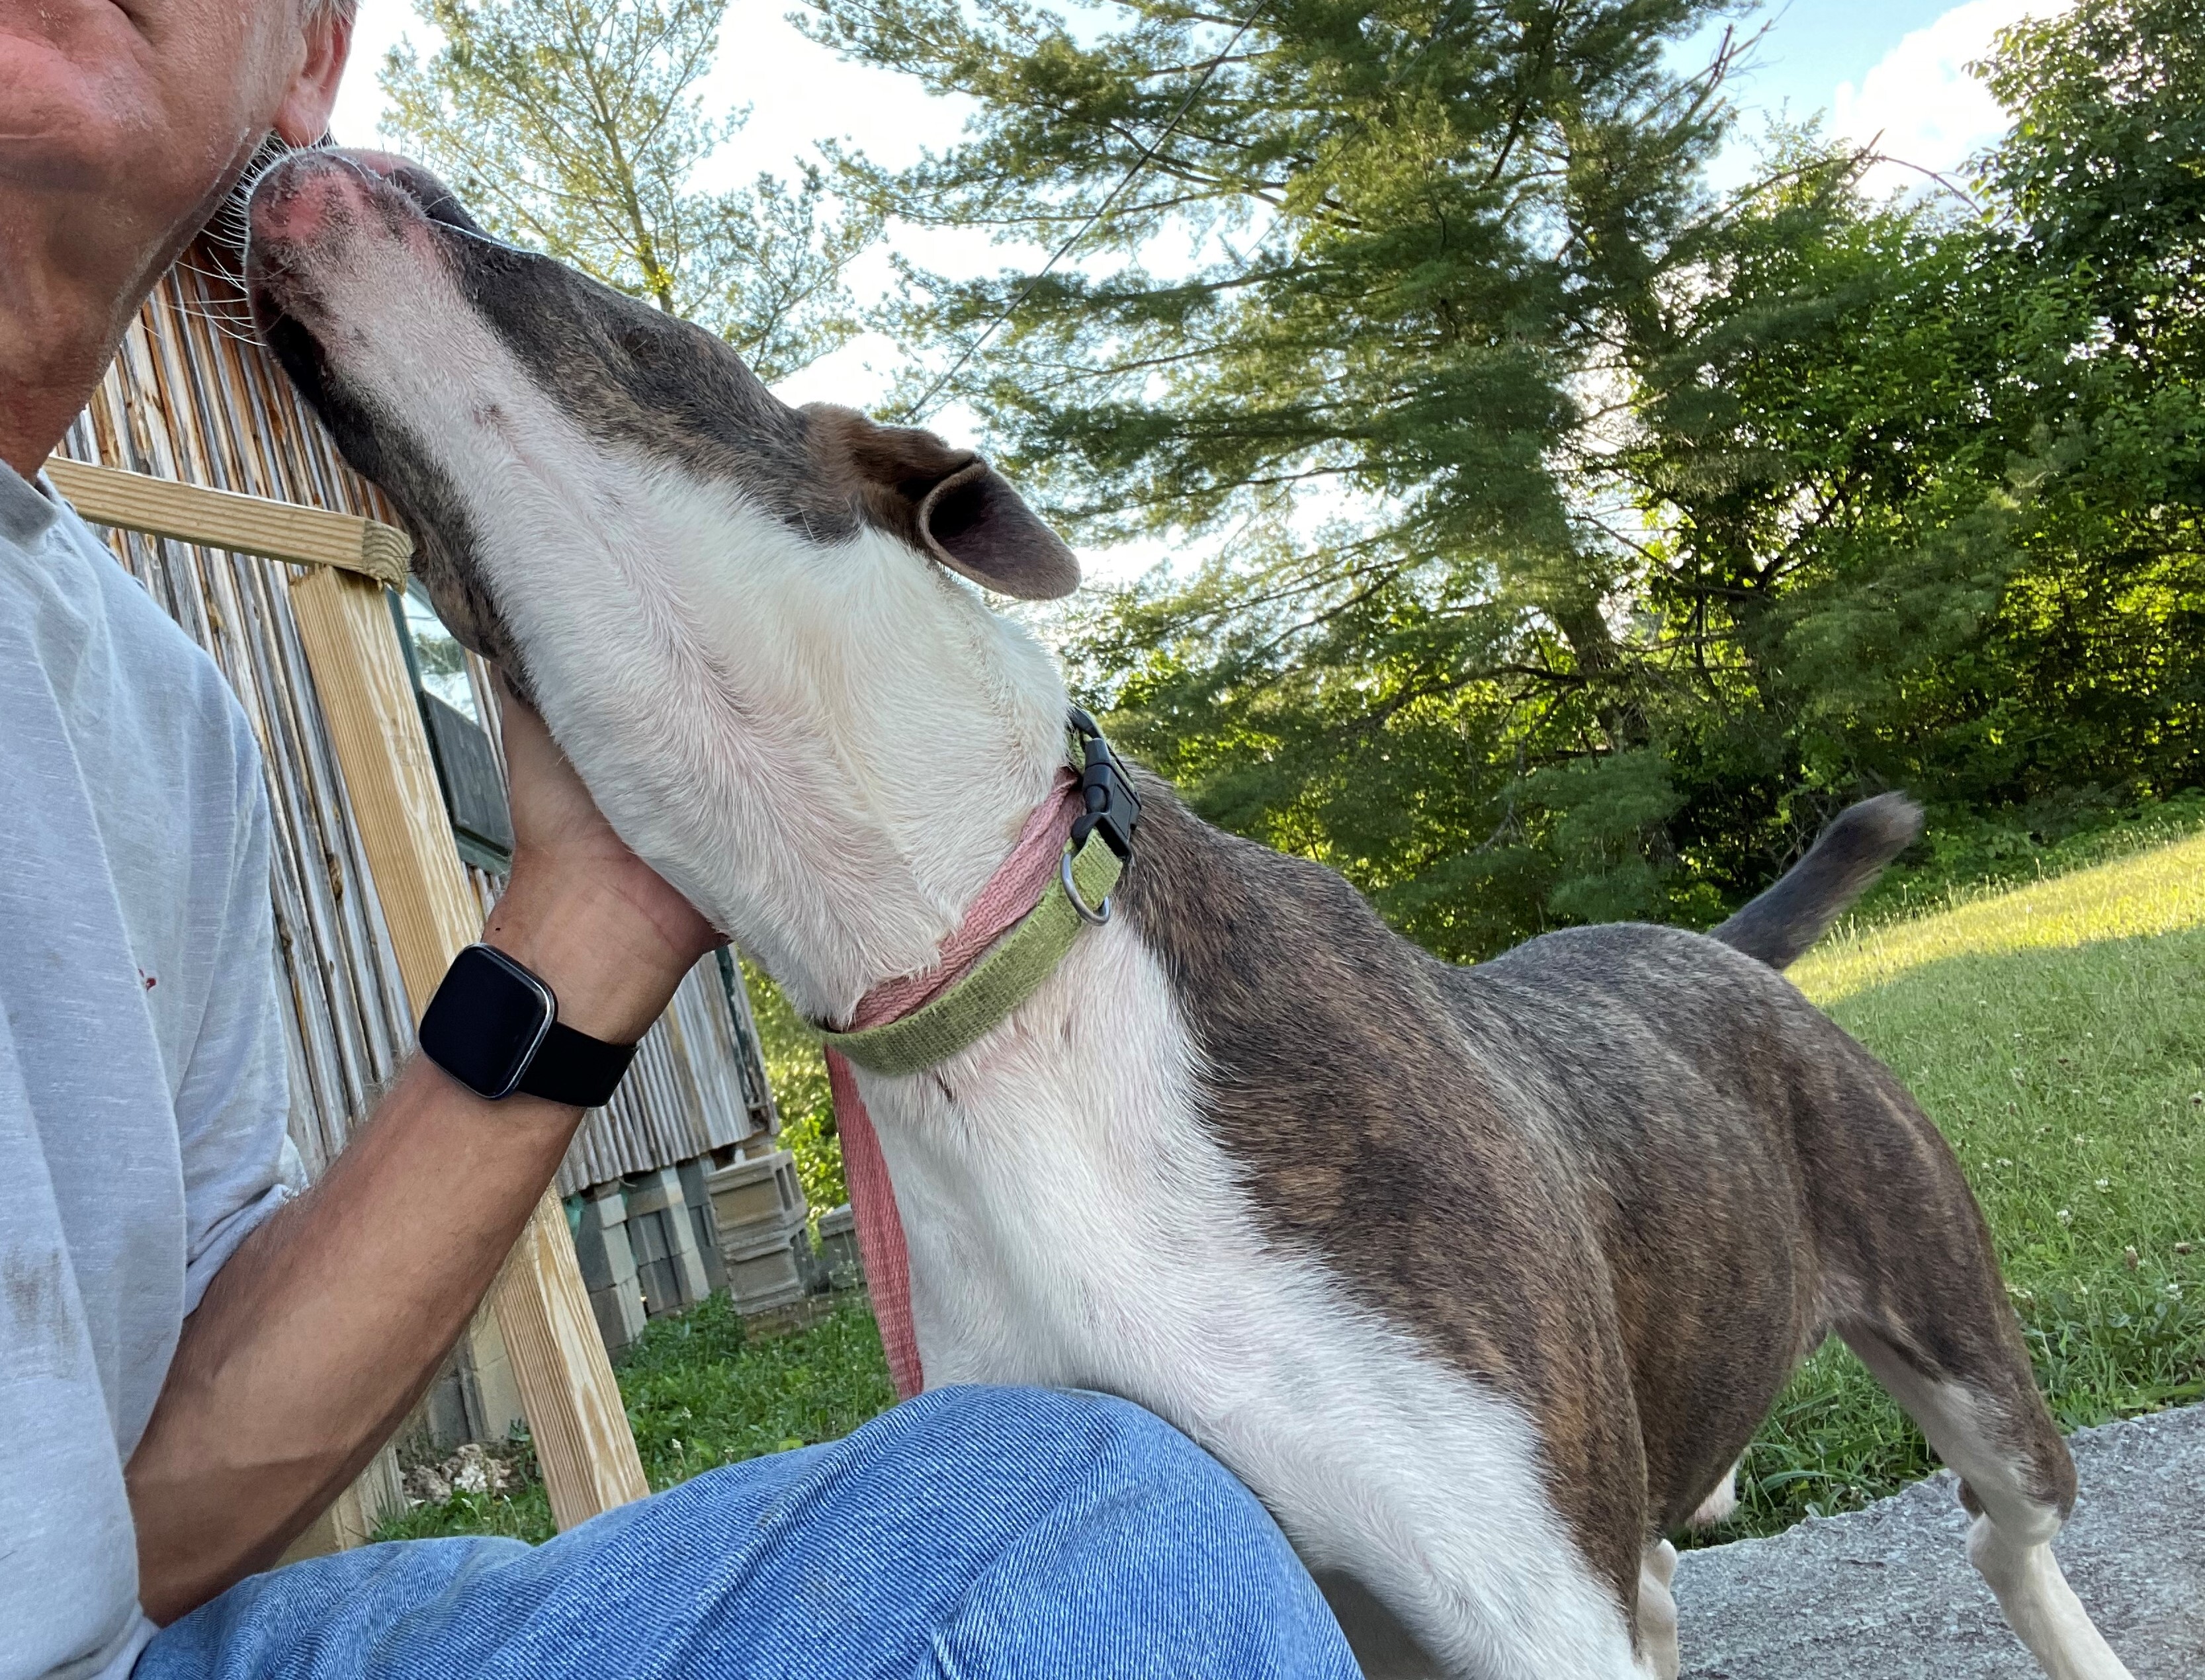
192,397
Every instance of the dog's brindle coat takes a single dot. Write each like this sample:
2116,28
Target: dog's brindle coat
1549,1233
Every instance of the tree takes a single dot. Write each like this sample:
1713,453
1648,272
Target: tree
1648,526
1927,485
1380,386
573,126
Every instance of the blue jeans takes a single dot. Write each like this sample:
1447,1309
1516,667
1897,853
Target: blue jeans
968,1533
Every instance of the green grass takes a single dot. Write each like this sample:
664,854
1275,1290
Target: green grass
700,1394
2056,1033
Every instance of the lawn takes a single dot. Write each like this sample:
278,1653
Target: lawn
2056,1031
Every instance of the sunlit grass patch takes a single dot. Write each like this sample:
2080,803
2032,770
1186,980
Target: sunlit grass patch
2154,892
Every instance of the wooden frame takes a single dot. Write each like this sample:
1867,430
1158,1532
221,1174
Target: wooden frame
248,524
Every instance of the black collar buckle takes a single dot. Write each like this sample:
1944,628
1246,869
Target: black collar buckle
1113,809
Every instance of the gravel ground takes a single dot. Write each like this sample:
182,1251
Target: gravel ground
1886,1594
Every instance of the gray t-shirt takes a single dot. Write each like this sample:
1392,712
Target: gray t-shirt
142,1071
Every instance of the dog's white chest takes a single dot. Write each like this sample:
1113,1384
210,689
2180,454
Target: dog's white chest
1072,1224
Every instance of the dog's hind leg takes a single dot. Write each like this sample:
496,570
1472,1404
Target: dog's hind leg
1657,1611
2016,1478
1911,1282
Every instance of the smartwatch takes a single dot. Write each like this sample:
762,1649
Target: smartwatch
495,1027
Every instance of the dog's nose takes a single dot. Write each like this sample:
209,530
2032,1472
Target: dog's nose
300,197
388,164
306,193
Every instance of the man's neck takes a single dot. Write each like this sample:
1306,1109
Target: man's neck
36,413
53,353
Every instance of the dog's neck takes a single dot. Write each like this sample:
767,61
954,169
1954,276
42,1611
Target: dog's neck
828,751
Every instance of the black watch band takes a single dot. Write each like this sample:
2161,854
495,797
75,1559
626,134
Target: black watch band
572,1067
495,1027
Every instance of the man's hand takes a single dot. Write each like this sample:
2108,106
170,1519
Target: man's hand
581,910
322,1331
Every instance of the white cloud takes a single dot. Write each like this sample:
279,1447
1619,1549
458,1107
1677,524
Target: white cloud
1920,98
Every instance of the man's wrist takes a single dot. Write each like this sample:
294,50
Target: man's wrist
612,972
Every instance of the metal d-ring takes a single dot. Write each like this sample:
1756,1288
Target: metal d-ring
1094,917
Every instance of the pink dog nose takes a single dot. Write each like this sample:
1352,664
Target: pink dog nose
302,195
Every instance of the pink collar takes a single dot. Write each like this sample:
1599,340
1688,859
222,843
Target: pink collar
1013,890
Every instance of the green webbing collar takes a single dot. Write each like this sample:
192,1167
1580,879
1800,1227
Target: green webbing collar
1029,953
1002,980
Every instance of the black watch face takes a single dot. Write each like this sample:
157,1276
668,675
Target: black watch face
486,1021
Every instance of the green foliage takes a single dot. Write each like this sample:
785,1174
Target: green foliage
1926,487
1578,540
700,1394
573,126
798,1073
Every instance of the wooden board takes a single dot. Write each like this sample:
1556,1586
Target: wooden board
249,525
573,1407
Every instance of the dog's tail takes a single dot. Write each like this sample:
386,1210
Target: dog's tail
1780,925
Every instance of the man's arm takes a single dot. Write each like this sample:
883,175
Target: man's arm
313,1341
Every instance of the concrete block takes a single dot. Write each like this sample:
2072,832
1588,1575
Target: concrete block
759,1190
493,1393
600,1240
656,1274
655,1199
650,1192
759,1213
701,1221
620,1314
838,1248
763,1278
441,1414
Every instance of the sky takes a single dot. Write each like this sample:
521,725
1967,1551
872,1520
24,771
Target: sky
1889,67
1889,71
1892,68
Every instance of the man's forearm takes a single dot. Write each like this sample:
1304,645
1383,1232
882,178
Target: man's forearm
322,1331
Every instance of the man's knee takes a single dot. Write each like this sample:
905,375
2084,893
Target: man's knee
994,1432
1123,1524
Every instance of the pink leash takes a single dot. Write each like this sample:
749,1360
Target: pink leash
1013,891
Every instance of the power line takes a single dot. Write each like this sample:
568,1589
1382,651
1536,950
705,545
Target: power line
911,410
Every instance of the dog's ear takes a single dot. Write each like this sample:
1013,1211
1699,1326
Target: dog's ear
946,502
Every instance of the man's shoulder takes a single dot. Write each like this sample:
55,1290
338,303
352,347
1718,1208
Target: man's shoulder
116,665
